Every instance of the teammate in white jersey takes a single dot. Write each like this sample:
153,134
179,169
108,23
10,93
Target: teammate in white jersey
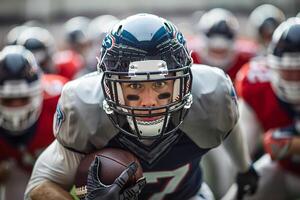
146,98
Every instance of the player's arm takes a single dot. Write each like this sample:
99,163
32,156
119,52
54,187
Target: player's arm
250,126
53,173
49,190
237,149
236,146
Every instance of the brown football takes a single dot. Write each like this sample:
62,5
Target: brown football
113,162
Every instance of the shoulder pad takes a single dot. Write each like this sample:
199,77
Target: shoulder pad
80,122
214,111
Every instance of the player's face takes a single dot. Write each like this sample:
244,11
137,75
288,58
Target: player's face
148,94
14,102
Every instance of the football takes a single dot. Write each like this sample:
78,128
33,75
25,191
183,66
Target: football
113,162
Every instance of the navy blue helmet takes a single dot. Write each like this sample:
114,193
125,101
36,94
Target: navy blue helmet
145,48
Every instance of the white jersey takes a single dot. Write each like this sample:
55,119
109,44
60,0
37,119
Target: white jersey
85,126
81,125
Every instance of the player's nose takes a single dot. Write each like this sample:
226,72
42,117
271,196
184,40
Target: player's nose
148,98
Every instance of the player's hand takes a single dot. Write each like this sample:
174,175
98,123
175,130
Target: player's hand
117,191
247,183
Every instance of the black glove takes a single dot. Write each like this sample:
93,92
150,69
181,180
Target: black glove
97,191
247,183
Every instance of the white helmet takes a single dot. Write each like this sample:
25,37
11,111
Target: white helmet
20,89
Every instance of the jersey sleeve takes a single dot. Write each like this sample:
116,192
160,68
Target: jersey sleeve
214,111
68,126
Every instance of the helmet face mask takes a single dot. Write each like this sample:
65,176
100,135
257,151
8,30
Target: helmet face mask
16,119
20,90
137,71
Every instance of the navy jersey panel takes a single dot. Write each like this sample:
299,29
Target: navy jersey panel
176,174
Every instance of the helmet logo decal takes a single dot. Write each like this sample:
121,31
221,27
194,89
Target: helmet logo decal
180,38
108,42
59,118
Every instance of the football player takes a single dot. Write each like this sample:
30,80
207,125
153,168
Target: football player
219,46
146,98
27,103
270,99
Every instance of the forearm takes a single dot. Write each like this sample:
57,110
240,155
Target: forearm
237,149
55,164
49,191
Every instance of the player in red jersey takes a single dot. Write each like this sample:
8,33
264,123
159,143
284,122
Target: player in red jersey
28,101
218,45
270,102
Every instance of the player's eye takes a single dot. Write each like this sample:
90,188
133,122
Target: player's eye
159,84
135,86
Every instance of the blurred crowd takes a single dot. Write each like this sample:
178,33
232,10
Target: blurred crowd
265,71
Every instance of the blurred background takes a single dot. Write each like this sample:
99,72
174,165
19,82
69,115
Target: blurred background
52,13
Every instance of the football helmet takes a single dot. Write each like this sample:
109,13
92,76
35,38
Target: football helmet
145,48
41,43
20,81
218,28
284,60
265,19
76,33
14,33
